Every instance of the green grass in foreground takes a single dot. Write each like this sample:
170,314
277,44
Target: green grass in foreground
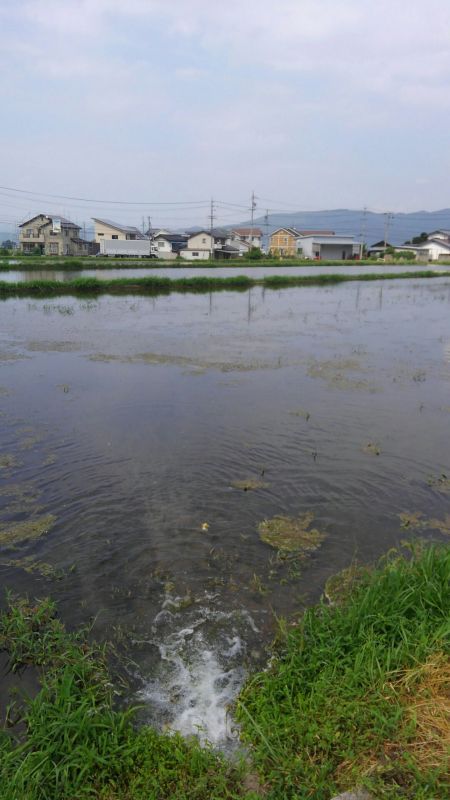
155,285
337,707
356,694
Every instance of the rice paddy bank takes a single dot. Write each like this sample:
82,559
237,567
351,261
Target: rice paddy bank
155,285
98,263
356,693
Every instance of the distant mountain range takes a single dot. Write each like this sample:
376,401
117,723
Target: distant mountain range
368,225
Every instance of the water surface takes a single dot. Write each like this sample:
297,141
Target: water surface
129,419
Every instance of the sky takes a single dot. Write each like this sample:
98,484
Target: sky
135,104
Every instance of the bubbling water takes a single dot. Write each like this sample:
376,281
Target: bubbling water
201,669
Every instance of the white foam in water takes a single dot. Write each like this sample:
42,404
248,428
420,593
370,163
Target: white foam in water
201,672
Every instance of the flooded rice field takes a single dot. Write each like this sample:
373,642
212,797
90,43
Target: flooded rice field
21,274
186,469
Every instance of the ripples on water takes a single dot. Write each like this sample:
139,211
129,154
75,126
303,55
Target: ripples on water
129,418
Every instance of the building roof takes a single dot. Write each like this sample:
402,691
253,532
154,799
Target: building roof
332,240
228,248
248,231
297,233
316,233
218,233
50,217
172,237
425,245
118,227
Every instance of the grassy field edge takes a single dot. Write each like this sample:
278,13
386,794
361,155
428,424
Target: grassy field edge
154,285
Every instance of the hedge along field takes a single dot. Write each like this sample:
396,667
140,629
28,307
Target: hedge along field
356,693
154,285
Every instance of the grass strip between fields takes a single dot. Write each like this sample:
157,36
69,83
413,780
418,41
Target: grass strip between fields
355,694
154,285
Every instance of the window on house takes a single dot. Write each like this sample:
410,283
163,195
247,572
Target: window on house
194,253
114,236
54,248
203,241
100,234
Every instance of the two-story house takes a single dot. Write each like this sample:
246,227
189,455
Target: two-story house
52,235
107,229
287,241
201,245
169,245
252,236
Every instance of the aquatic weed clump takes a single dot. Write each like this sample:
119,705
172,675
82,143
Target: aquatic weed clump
332,711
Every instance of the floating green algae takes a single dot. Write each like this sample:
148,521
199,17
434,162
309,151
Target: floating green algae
20,497
300,412
334,372
291,534
18,532
416,521
29,565
440,482
249,484
372,448
411,519
8,461
339,587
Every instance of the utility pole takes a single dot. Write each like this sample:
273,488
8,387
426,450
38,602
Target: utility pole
363,233
252,209
387,220
150,233
266,226
211,228
143,226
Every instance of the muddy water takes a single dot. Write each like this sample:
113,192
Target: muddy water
128,423
218,272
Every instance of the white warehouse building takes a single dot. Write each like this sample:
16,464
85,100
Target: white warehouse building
336,248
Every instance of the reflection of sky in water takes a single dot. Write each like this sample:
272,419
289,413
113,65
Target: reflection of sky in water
145,410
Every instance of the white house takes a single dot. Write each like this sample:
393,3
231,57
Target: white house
252,236
169,244
435,247
201,245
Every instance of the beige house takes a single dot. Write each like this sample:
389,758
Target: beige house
107,229
52,235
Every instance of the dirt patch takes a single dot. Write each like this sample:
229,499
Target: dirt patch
291,534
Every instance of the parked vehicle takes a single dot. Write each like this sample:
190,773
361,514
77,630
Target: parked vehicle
128,248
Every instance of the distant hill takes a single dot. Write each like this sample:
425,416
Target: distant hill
347,222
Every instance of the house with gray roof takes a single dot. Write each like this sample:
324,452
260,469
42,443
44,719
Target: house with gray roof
52,235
